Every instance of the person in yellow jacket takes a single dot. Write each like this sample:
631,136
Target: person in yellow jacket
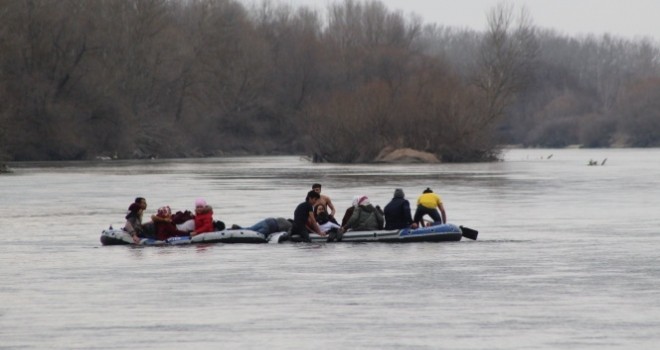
428,204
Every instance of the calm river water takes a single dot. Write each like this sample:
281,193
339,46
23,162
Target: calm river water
567,257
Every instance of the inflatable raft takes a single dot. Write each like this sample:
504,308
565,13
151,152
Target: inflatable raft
119,237
436,233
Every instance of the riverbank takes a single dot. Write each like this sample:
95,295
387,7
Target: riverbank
387,156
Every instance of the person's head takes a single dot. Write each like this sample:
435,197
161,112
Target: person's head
398,193
200,203
319,209
141,201
201,206
312,196
364,200
428,190
164,212
316,188
136,208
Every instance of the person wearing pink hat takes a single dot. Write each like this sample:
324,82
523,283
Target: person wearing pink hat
365,217
203,217
200,222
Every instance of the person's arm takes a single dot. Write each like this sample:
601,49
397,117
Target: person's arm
442,211
347,216
206,226
354,218
156,218
131,230
407,216
330,206
379,218
314,225
406,213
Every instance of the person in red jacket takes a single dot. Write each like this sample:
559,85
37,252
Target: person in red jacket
203,218
165,228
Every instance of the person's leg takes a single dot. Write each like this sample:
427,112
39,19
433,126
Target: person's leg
272,225
419,216
187,226
301,231
148,231
435,215
332,234
261,227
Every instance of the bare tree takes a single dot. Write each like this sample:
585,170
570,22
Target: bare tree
42,71
508,52
81,78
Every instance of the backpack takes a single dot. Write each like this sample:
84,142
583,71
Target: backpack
219,225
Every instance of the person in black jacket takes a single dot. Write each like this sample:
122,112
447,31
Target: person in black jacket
397,212
303,218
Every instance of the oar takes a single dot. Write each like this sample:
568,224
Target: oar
469,233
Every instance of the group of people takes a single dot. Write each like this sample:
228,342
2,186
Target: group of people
165,225
315,215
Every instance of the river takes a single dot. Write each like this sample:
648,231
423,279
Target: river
567,257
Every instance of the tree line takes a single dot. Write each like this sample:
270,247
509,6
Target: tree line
164,78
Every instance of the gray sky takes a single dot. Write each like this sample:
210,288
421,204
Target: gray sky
631,19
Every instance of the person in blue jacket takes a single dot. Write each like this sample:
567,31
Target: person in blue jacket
397,212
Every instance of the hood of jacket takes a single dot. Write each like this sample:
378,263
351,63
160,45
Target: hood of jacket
368,208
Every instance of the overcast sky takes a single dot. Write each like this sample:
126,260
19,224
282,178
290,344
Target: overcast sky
631,19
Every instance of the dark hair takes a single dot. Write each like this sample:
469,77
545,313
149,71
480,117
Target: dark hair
321,218
312,194
133,210
316,186
135,207
428,190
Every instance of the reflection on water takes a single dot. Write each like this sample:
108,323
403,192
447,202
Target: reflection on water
567,257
